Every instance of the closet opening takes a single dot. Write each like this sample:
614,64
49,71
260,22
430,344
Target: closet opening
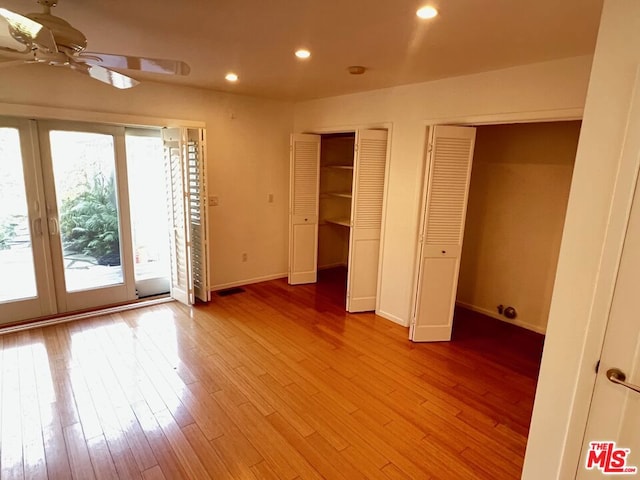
334,213
518,196
337,190
495,199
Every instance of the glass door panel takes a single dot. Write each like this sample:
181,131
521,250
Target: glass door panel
149,216
18,278
26,284
88,217
85,184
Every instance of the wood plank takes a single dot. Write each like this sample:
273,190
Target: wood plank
79,459
276,382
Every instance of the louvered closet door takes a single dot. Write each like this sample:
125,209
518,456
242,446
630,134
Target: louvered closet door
449,172
366,219
175,150
303,208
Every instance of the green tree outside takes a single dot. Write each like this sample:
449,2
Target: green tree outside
89,221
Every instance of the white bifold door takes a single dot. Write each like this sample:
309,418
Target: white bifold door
448,173
367,193
303,208
187,208
366,219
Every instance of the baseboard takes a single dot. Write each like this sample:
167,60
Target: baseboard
497,316
332,265
248,281
392,318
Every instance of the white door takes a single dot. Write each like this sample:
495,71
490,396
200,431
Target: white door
87,214
366,219
303,208
26,278
614,417
197,216
449,159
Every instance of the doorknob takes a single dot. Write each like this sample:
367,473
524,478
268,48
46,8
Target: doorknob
616,375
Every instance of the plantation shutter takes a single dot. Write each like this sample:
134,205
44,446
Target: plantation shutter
449,159
303,208
197,218
366,219
186,196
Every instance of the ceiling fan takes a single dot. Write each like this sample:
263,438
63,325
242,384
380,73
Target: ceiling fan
51,40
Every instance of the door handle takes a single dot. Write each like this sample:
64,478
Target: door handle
37,227
53,226
616,375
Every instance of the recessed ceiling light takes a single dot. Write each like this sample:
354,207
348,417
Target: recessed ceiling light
427,12
231,77
302,53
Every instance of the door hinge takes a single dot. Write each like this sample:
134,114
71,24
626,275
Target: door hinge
355,147
430,147
597,366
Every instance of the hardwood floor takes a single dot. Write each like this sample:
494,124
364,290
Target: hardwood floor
275,382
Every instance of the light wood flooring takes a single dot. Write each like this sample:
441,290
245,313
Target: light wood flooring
276,382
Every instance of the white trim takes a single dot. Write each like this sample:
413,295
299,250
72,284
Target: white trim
536,116
391,317
84,315
53,113
497,316
248,281
349,128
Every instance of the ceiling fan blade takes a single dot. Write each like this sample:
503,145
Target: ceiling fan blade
104,75
153,65
115,79
28,31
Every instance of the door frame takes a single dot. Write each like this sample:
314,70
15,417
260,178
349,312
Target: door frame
25,113
469,121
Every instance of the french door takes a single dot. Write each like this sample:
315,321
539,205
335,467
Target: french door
26,277
65,239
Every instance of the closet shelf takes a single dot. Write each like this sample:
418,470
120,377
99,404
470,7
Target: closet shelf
340,167
336,194
345,222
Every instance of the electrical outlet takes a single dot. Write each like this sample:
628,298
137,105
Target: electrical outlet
213,201
245,257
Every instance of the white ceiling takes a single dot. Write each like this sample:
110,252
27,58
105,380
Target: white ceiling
257,38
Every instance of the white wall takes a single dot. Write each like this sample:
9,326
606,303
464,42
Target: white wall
532,91
247,155
601,192
515,216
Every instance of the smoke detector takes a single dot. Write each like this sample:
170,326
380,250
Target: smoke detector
356,69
